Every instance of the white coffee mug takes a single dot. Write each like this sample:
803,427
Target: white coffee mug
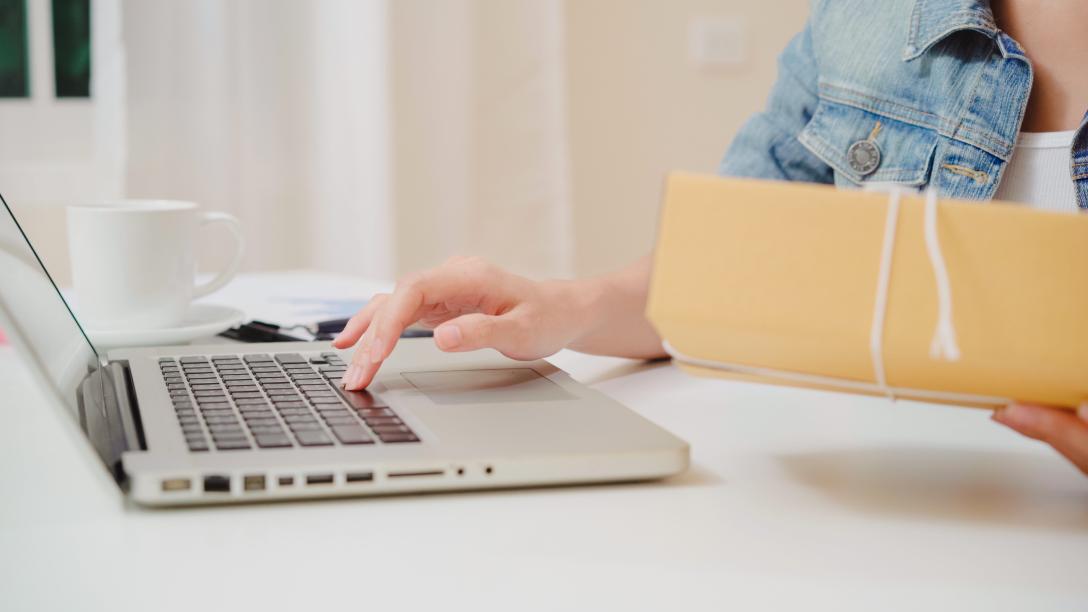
134,261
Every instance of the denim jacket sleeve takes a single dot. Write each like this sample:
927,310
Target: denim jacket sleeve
767,145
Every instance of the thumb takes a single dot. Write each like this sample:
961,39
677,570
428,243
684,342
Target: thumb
476,331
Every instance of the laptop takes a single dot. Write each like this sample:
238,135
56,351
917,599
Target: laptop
233,423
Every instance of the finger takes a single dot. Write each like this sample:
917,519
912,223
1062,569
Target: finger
1059,428
433,287
475,331
357,371
359,323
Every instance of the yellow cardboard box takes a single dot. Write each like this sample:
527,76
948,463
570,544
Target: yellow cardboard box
777,282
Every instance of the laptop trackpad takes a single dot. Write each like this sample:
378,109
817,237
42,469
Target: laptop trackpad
486,386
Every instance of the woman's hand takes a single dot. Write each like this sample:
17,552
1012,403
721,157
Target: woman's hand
471,304
1066,431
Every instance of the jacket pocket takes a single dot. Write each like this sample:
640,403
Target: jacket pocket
906,151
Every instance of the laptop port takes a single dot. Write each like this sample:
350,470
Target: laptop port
176,484
417,474
319,479
286,481
217,484
253,483
359,477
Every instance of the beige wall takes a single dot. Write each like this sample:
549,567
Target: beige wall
639,108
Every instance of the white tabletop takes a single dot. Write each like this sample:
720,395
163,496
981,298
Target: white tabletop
794,499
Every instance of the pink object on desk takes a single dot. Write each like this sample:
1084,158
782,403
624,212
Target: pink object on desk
3,339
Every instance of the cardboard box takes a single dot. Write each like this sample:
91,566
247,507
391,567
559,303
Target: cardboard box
781,280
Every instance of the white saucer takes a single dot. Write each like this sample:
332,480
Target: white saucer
202,320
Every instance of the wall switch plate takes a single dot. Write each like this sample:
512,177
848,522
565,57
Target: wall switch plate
717,42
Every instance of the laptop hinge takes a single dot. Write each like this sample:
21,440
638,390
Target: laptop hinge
109,417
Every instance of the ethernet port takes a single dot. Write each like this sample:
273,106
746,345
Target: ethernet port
216,484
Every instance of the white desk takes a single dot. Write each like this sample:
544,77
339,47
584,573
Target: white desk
796,499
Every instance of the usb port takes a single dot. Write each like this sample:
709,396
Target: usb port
319,479
217,484
176,484
359,476
253,483
286,481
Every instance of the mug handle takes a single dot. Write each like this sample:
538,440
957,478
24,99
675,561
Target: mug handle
235,227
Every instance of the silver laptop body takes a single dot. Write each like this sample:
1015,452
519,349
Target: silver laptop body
255,422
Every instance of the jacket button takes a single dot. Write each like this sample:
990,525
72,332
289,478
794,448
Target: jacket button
863,157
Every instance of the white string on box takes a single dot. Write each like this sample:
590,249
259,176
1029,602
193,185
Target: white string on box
943,345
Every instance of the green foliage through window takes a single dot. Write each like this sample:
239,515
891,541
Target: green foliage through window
14,60
72,48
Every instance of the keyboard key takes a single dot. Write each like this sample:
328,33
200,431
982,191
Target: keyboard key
198,447
244,402
263,422
282,404
326,401
349,434
220,420
342,420
360,400
398,438
382,430
296,427
300,418
382,421
248,395
313,387
257,357
202,370
232,444
333,411
290,358
211,398
273,440
313,438
194,359
369,413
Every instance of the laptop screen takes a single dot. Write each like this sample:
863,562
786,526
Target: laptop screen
34,314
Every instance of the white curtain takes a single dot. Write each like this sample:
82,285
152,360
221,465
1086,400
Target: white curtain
273,110
362,136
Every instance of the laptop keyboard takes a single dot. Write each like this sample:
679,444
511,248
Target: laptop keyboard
231,402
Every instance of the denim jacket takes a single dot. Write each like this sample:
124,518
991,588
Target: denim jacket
915,92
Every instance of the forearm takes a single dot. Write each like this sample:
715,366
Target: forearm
615,314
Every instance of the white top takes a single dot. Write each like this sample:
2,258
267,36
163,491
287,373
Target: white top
1038,174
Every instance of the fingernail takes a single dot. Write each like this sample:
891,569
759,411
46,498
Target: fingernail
377,350
1016,415
1082,412
351,377
448,337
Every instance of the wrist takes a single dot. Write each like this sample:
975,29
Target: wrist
584,304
